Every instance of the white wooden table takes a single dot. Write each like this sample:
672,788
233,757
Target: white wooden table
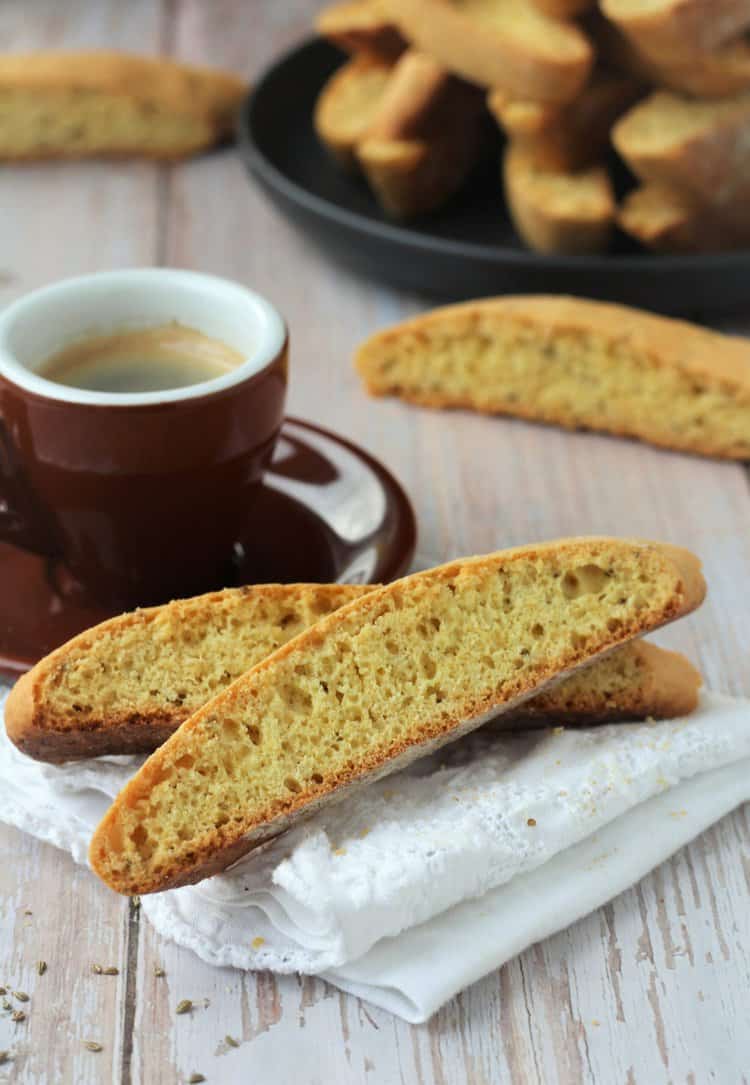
654,987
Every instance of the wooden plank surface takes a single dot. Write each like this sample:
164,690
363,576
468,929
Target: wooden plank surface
652,988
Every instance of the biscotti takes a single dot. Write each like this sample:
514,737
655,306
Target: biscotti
679,28
347,104
576,363
570,137
508,44
387,679
424,138
564,9
637,681
667,220
127,684
71,105
700,147
718,74
361,27
555,211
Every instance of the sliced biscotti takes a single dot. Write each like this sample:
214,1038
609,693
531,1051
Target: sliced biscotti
386,679
667,220
577,363
638,681
347,105
361,27
564,9
70,105
125,685
700,147
508,44
679,28
555,211
573,136
424,138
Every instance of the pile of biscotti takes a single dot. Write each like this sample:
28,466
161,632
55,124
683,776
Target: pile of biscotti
260,705
666,83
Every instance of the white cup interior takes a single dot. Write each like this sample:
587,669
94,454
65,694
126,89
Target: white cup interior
47,321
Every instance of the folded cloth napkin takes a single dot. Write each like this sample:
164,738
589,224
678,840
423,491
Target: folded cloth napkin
432,878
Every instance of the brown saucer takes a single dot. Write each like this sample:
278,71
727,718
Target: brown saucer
329,512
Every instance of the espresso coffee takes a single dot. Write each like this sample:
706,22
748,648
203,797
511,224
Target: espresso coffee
145,360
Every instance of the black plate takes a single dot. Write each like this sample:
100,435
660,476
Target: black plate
468,248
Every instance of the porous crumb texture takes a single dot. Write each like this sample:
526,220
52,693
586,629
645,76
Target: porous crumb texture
575,363
348,104
126,684
387,678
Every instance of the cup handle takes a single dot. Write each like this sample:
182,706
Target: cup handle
20,523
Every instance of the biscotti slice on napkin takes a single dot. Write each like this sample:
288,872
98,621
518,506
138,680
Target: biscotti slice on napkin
70,105
667,220
387,679
635,682
580,364
573,136
347,105
508,44
126,685
424,138
679,28
361,26
555,211
700,147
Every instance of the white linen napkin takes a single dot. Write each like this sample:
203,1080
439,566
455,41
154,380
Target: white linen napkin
432,878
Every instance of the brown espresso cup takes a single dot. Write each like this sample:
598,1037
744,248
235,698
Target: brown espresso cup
140,496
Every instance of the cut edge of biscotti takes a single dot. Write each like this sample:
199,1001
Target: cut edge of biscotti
664,218
361,27
348,104
576,363
675,28
123,686
70,105
513,46
558,211
386,679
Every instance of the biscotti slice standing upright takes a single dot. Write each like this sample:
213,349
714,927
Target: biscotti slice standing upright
508,44
570,137
347,104
387,679
424,138
666,219
555,211
124,686
361,27
679,28
576,363
700,147
71,105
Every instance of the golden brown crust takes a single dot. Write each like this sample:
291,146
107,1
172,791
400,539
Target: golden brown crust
40,731
210,97
564,9
500,43
347,105
679,28
215,846
666,220
361,27
424,138
554,211
573,136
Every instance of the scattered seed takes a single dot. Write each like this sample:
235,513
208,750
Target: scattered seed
6,1005
28,912
258,942
231,1041
21,996
111,971
92,1045
18,1016
135,901
41,967
97,969
159,972
185,1006
3,990
531,822
195,1079
4,1056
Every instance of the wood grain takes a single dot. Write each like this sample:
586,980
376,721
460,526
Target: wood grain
650,989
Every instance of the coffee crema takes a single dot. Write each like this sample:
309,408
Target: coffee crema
155,359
